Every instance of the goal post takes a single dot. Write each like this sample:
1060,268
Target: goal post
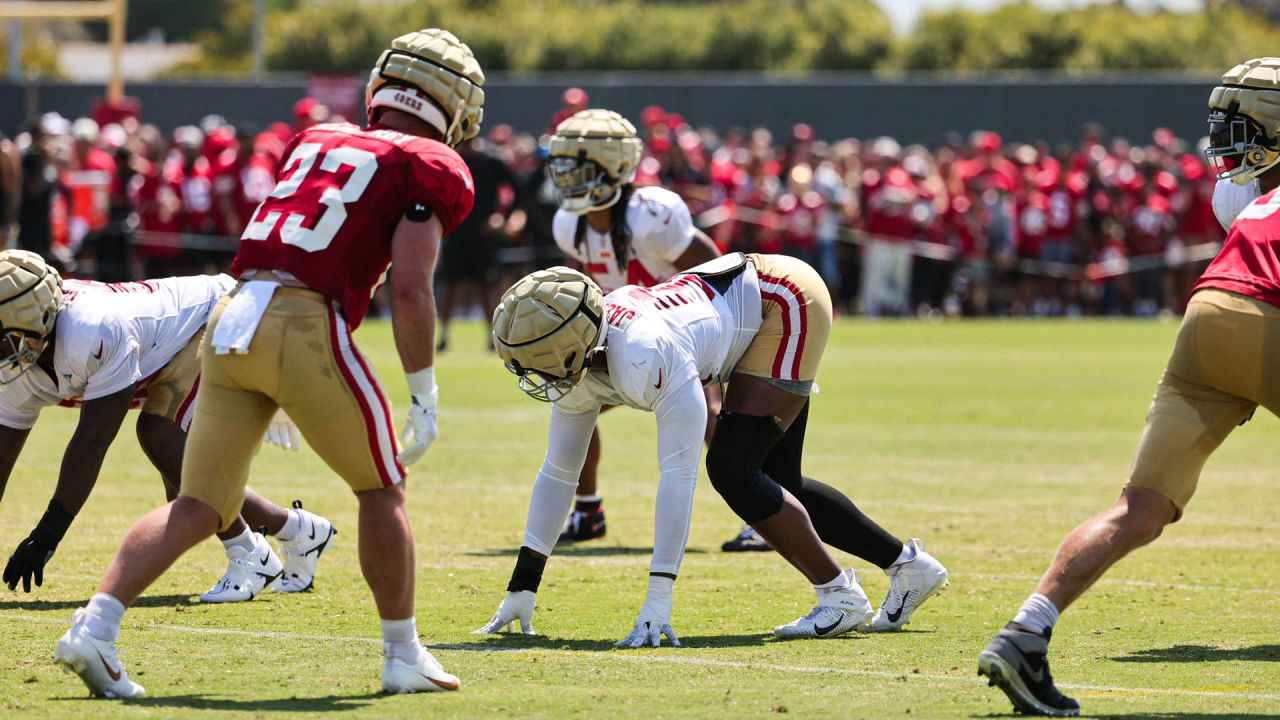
110,11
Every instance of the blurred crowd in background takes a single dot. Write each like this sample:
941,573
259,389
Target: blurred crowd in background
970,226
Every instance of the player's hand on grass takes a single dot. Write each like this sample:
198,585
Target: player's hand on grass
654,620
517,606
28,561
283,433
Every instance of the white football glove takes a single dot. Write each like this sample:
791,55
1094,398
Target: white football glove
283,433
515,606
654,620
421,428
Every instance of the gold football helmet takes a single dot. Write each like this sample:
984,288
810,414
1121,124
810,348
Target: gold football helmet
433,75
30,298
592,155
545,329
1244,121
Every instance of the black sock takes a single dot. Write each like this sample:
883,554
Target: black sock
587,505
842,525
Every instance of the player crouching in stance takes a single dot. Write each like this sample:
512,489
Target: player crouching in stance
106,348
759,322
348,202
1225,363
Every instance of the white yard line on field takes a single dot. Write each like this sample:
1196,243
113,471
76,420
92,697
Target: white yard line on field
641,657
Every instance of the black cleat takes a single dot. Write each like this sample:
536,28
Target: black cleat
1016,660
584,525
747,541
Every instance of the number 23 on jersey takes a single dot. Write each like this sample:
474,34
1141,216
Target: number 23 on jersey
332,211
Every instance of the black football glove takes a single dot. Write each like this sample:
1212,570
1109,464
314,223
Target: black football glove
29,559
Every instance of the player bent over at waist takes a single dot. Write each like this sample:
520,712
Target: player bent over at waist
106,348
758,322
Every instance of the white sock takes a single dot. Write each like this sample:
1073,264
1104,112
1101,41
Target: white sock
839,582
292,527
243,540
400,639
907,555
1037,613
102,616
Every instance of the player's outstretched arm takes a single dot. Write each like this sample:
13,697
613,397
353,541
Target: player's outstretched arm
100,421
681,413
552,498
414,248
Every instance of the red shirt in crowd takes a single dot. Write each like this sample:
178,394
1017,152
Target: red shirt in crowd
195,187
1033,224
341,192
156,195
888,202
1152,223
246,182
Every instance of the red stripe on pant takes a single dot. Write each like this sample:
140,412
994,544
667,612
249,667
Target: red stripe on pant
183,418
797,303
370,426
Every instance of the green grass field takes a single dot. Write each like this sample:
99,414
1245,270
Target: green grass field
989,440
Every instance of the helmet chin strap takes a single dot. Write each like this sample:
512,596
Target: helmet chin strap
613,200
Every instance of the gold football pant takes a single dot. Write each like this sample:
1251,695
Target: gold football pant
301,359
171,392
1225,363
797,322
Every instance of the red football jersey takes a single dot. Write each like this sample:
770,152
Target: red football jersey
340,193
1249,261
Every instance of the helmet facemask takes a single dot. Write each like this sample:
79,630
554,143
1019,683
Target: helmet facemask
1239,149
32,297
20,350
547,387
582,185
591,156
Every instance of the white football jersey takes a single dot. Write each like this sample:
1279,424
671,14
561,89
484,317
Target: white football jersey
661,230
112,336
660,337
663,344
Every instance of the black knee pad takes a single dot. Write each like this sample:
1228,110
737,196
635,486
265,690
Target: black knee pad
738,448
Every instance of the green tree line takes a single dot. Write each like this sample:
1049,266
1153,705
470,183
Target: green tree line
743,35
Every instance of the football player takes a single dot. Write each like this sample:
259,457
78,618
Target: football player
106,348
759,323
1224,365
348,203
621,235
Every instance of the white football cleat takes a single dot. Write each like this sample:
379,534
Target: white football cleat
910,584
247,573
301,554
426,675
836,613
95,661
